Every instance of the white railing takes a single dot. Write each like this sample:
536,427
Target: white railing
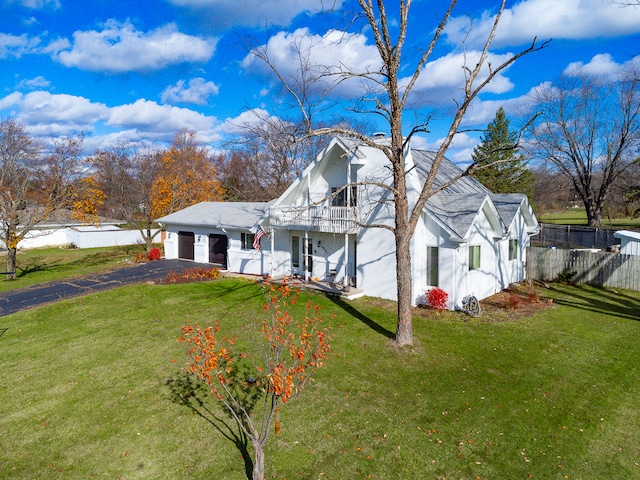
317,218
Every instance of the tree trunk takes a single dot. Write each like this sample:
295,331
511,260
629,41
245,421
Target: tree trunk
403,233
404,331
258,463
594,214
11,264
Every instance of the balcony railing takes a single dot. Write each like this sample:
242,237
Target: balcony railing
316,218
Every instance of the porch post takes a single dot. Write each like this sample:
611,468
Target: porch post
273,258
345,281
305,256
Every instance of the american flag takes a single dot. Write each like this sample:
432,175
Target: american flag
259,234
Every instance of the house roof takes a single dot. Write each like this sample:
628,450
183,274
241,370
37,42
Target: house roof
456,211
627,235
233,215
448,170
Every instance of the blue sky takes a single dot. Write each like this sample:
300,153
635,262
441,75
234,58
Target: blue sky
141,70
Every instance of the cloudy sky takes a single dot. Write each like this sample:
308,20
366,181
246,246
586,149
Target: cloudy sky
141,70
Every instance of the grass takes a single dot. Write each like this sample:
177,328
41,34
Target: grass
47,264
84,392
578,216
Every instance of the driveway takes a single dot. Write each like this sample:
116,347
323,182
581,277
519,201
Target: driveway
13,301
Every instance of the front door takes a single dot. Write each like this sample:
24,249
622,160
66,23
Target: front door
307,255
218,249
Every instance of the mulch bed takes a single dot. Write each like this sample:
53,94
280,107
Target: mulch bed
514,303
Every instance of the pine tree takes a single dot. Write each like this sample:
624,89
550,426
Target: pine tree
510,174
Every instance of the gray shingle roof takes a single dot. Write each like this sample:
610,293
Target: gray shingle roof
507,205
456,210
234,215
424,160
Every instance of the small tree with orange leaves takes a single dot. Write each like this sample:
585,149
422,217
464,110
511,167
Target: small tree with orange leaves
285,360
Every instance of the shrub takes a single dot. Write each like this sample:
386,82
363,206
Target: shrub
567,276
192,274
437,298
513,301
154,254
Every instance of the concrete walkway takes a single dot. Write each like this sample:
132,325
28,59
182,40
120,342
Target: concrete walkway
13,301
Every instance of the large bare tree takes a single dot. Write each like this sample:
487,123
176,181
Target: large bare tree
589,130
388,88
34,182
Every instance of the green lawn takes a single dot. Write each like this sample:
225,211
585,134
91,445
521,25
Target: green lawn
46,264
578,216
84,391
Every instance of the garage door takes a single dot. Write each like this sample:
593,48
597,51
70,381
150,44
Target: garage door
185,245
218,249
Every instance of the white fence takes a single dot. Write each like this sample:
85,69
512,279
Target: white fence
602,269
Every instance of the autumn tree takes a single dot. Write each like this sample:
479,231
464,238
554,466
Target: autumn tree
589,130
498,164
387,90
253,385
186,176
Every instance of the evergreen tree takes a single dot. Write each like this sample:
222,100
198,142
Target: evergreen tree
508,172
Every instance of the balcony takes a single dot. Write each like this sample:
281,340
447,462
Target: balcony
315,218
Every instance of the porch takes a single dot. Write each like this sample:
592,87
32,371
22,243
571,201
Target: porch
315,218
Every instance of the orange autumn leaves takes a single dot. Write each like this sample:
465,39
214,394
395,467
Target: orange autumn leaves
186,176
290,352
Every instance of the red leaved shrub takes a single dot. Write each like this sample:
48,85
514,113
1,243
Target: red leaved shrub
437,298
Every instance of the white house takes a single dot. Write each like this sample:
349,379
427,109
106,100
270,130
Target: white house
468,241
629,242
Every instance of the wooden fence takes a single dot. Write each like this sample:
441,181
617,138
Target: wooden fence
601,269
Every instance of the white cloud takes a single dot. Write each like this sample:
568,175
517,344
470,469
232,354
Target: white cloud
222,14
602,64
442,80
34,83
16,46
196,92
152,117
119,47
249,118
321,54
566,19
37,4
46,114
439,83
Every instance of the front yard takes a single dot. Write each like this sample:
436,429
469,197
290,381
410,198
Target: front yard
88,390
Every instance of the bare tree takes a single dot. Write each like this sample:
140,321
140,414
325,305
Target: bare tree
33,183
589,129
126,174
389,95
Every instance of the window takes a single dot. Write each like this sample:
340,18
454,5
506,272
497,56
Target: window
474,257
339,198
295,252
432,266
247,240
513,249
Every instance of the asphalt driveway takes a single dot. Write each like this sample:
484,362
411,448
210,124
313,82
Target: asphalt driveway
15,300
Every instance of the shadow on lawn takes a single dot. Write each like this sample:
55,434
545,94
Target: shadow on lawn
600,300
187,391
376,327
